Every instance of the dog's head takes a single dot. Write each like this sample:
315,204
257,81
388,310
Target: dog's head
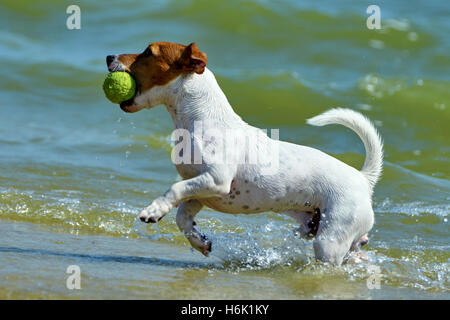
157,65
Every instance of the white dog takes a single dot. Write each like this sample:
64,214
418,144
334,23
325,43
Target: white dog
331,200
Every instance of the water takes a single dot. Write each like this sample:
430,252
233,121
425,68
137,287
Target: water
75,169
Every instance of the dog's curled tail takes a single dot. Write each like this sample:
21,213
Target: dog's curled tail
373,165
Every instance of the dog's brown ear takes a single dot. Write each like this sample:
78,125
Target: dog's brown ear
193,59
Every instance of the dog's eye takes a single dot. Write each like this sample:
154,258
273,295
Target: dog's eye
147,52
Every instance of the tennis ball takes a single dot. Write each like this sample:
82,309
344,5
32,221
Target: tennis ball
119,86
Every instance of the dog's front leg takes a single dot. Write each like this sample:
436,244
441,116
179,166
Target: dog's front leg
185,221
205,185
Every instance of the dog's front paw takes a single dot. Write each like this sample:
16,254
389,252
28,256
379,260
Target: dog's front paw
207,248
155,211
200,242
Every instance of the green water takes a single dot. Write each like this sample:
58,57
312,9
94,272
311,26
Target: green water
75,169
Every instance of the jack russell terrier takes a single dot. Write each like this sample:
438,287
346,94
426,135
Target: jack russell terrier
331,201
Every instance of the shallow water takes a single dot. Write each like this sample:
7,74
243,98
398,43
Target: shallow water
75,169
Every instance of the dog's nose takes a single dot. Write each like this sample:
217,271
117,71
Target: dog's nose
110,59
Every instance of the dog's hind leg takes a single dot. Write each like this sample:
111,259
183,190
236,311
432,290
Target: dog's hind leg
306,220
333,231
338,229
331,250
185,221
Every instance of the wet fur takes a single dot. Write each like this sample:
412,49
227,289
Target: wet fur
330,200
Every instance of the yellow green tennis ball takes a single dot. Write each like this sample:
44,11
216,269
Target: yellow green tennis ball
119,86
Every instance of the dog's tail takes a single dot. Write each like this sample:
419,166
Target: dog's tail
373,165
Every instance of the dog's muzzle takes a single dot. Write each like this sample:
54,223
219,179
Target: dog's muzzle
113,64
128,106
